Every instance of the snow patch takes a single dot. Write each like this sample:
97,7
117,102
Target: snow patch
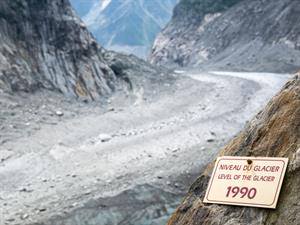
208,19
105,3
96,10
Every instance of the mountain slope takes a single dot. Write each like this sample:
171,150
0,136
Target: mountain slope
274,132
44,45
127,24
248,35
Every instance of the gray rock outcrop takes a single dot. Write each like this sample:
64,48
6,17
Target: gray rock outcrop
43,44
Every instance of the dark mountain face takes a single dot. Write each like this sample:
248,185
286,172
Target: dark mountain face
44,45
249,35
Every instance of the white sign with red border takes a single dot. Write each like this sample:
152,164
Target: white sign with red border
246,181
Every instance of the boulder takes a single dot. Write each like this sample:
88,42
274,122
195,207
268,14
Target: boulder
104,137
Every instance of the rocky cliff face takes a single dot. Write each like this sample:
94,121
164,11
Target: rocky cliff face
44,45
236,34
274,132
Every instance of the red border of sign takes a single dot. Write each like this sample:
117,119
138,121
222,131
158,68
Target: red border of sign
243,203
